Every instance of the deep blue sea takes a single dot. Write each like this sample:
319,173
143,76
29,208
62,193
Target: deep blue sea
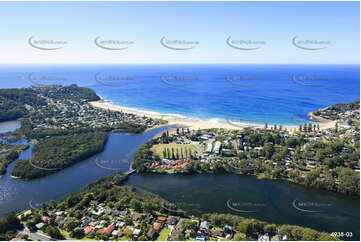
276,94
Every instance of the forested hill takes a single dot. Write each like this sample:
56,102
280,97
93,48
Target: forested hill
341,111
14,103
72,92
67,129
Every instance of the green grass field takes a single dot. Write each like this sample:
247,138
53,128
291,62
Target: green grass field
184,150
163,235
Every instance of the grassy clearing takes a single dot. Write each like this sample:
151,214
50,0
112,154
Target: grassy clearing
163,235
183,150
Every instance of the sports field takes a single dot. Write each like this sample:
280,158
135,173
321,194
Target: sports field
166,151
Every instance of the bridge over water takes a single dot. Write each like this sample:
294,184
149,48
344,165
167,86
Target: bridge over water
130,172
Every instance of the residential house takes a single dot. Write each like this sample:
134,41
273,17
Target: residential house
200,238
45,219
121,224
157,226
264,237
109,229
276,238
217,146
227,230
93,224
137,232
88,230
39,225
204,225
122,214
172,220
161,219
137,216
100,231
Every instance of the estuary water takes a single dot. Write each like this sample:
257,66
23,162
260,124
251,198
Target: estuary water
276,94
9,126
272,201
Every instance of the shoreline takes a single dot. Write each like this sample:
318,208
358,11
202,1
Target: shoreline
325,123
199,124
188,123
259,176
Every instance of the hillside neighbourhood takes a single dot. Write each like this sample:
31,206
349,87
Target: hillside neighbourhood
108,210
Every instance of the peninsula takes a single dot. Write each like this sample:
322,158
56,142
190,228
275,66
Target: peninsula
57,119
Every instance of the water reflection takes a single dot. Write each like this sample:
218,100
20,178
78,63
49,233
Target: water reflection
9,126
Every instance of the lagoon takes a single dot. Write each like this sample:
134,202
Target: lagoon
9,126
272,201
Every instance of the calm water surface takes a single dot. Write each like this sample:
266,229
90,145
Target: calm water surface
9,126
273,201
15,194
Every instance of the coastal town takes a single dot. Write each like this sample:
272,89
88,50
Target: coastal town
69,111
322,158
58,118
180,120
103,223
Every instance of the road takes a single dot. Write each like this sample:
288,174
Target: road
35,236
199,148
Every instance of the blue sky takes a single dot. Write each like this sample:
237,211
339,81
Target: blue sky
275,24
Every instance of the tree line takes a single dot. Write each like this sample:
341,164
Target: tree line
58,152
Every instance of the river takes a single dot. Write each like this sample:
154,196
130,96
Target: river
272,201
9,126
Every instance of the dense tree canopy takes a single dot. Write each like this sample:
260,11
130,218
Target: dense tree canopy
58,152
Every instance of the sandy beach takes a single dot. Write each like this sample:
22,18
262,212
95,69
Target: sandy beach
189,123
325,123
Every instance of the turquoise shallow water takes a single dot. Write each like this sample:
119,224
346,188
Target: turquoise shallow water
281,94
239,93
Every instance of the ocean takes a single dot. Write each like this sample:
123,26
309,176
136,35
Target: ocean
273,94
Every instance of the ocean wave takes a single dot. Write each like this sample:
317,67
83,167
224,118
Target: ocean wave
111,104
160,114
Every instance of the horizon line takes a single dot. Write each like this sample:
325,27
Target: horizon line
147,63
